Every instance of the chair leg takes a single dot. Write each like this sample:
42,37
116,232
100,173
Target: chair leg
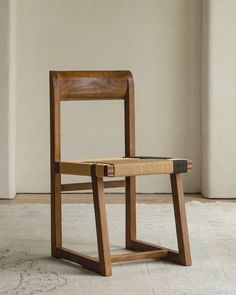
130,212
56,227
180,220
101,224
102,264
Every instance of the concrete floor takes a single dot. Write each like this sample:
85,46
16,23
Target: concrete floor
27,268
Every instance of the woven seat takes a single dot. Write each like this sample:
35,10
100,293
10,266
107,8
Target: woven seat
115,167
112,85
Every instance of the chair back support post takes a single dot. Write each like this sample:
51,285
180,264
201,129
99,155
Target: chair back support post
56,220
130,120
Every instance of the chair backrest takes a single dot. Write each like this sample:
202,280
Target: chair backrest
91,85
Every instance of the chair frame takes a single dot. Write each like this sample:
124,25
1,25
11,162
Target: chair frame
100,85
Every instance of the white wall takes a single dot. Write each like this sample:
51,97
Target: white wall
219,99
159,41
7,113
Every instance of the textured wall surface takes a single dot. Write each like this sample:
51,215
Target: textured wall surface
161,43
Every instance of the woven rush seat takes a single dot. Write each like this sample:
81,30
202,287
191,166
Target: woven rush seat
115,167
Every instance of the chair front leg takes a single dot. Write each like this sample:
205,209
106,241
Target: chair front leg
101,224
180,220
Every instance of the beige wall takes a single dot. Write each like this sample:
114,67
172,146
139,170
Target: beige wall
158,40
7,105
219,99
4,70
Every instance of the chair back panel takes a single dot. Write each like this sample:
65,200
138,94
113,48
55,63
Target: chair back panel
88,85
91,85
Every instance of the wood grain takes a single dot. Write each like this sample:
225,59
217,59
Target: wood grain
88,262
87,85
88,185
139,256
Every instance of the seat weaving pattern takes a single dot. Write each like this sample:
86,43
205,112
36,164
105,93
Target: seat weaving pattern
115,167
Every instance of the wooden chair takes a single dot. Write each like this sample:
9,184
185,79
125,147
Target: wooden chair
103,85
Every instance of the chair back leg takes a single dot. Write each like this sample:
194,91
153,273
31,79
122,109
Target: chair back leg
56,224
130,211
